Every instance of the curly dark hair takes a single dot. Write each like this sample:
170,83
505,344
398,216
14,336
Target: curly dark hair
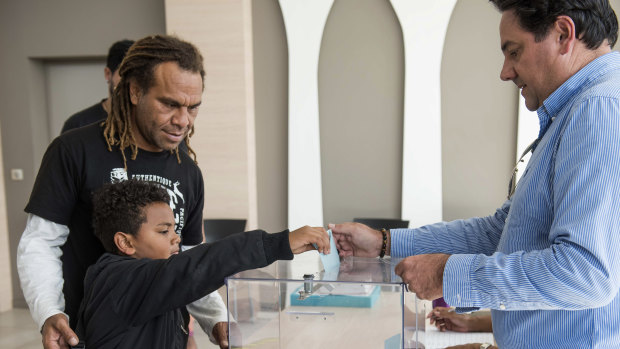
120,207
594,20
138,66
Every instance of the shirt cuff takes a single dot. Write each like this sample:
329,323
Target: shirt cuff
43,317
401,242
277,246
208,311
457,281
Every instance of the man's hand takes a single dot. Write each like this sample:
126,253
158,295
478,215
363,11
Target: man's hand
220,333
356,239
56,333
301,240
423,274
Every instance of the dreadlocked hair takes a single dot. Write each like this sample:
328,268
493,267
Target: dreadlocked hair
138,67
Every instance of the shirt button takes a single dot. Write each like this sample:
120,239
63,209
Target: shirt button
502,306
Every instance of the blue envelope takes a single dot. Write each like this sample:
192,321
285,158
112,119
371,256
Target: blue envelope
331,261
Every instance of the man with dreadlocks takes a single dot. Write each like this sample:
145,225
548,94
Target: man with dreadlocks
153,110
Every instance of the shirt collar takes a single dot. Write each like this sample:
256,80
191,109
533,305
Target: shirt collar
559,98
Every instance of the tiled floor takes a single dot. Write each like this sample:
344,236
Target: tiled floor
18,331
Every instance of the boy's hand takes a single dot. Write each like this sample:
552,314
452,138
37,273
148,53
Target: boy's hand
301,240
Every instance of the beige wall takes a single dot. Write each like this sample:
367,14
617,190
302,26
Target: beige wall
479,114
33,32
224,138
361,80
271,111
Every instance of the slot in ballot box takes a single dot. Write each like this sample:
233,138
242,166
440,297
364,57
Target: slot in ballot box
290,304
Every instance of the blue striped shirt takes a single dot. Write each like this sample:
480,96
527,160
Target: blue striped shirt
547,262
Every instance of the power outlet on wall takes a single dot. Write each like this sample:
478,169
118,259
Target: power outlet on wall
17,174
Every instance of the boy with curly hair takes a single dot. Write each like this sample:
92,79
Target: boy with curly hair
134,293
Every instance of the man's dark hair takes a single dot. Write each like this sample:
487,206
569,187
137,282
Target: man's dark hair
139,67
117,52
595,20
119,207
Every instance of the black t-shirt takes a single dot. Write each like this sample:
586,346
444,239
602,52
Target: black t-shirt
85,117
78,162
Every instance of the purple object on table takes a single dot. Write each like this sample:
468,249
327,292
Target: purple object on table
440,302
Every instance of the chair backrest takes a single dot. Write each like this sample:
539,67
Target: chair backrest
217,229
387,223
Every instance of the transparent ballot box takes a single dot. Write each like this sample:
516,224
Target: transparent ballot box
360,304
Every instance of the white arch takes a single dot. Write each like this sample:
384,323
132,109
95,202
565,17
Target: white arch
304,22
424,25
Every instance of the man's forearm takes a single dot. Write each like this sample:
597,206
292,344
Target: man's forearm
40,268
481,322
208,311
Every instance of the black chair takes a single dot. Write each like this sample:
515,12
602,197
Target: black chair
378,223
217,229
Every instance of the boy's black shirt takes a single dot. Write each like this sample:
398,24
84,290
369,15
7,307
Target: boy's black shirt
78,162
135,303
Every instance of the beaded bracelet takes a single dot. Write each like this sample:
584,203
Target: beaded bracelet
384,246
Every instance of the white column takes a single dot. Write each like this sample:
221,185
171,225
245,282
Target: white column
424,25
304,21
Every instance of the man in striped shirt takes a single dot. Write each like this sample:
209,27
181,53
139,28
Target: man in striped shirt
547,262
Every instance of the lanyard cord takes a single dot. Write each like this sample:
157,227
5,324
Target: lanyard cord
512,185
